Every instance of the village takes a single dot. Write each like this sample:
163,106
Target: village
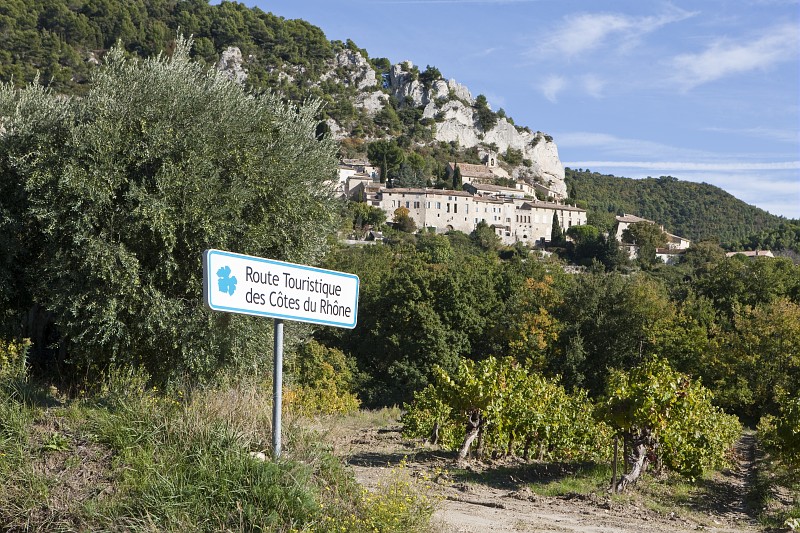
517,215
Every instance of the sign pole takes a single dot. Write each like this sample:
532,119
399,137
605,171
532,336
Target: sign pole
277,389
249,285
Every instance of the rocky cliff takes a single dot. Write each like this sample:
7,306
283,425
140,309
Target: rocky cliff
452,107
448,104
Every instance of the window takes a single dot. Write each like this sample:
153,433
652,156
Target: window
448,207
438,205
408,204
416,205
455,208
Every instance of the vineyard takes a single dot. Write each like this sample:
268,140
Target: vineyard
507,409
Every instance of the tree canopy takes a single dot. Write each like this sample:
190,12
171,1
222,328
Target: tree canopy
109,200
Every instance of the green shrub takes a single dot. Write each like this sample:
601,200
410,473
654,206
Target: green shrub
13,356
781,434
693,434
323,381
519,409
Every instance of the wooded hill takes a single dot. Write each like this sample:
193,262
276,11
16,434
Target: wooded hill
61,41
697,211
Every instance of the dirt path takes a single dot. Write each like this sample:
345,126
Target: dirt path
487,503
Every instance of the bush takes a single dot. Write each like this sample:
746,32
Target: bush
13,357
323,381
109,201
518,409
692,435
781,434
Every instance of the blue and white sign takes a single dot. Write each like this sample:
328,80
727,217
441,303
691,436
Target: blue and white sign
237,283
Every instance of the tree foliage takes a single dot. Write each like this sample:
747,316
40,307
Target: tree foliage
688,432
486,118
781,433
110,199
516,410
386,155
403,221
697,211
647,238
56,38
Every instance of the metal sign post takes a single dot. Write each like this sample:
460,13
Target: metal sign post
277,389
244,284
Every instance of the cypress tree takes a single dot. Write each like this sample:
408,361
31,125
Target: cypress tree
556,234
457,180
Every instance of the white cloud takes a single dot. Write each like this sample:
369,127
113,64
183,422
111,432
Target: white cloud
786,136
552,86
594,85
585,32
625,148
725,57
689,165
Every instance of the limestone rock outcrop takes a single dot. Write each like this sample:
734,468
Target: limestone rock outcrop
355,68
460,91
402,84
451,106
230,63
372,102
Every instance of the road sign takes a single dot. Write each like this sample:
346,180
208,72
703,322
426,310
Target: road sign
237,283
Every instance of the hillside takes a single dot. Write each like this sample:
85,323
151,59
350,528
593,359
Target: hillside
429,119
698,211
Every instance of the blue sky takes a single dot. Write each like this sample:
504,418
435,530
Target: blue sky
703,90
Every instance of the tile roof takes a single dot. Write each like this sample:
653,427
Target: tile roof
468,170
632,219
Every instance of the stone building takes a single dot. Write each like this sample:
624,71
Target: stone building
514,219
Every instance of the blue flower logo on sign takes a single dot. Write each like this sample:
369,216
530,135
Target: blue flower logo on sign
227,283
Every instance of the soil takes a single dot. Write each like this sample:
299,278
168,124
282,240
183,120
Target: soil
496,497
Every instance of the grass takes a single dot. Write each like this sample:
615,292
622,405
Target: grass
582,479
137,459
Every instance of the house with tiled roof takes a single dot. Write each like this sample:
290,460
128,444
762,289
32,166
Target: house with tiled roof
471,173
671,254
752,254
494,191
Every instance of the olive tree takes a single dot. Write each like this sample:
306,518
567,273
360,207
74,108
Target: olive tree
109,200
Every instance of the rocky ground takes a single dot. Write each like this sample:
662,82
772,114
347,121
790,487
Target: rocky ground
497,498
